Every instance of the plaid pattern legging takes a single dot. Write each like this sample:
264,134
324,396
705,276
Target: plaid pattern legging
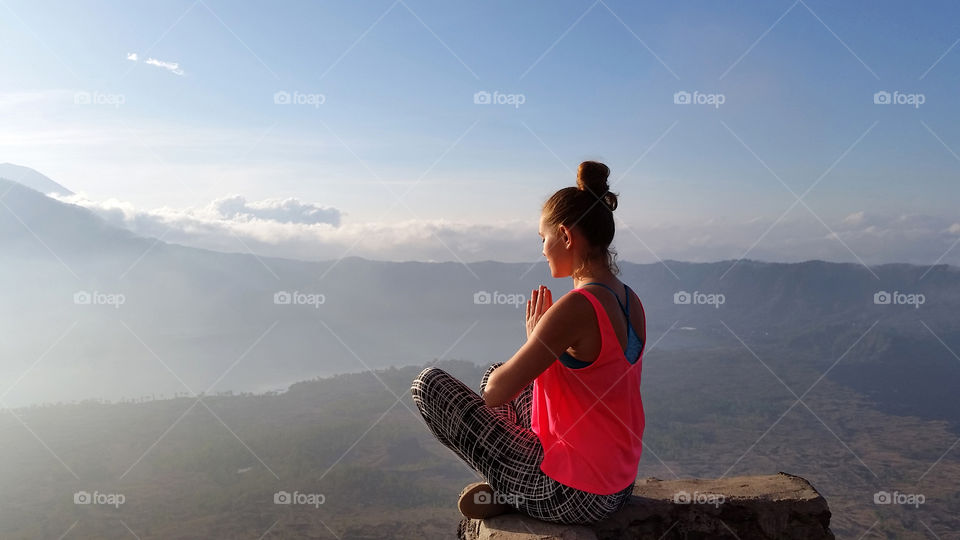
498,443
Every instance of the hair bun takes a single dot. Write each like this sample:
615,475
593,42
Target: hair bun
592,178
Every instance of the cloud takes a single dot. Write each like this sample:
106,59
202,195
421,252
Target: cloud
301,230
282,211
172,67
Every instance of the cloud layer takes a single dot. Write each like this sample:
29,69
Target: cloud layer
302,230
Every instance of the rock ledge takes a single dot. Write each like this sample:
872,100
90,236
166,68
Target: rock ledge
780,506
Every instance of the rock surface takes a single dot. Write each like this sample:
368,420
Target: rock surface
772,506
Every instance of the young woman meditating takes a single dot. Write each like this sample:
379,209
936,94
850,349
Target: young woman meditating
556,430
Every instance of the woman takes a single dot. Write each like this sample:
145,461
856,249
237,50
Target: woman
556,430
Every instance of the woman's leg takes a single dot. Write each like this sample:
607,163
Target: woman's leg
506,454
520,405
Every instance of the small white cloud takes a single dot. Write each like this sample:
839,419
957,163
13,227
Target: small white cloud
172,67
132,56
954,229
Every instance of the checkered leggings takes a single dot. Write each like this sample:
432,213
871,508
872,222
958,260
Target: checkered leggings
498,443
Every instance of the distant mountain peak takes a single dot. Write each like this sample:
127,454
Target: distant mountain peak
31,178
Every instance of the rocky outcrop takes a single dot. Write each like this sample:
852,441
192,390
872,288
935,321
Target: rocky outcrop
781,506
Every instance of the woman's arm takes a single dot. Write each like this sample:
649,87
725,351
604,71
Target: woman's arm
556,330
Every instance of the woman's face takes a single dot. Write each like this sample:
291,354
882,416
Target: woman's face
554,249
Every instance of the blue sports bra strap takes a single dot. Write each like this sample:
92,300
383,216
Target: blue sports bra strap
615,296
626,294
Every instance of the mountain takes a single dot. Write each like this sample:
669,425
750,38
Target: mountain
94,311
31,178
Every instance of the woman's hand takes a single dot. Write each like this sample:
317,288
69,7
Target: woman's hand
540,301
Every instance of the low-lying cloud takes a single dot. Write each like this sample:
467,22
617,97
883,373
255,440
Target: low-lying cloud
302,230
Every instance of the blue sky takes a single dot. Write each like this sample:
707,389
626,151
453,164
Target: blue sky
596,79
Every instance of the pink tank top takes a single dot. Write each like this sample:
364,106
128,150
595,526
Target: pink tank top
590,420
